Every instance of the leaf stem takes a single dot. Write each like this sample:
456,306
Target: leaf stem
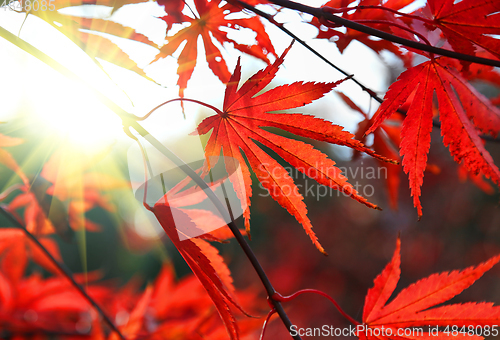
179,99
282,298
63,269
266,322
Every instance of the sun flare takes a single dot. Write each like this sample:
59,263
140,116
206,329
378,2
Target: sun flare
72,112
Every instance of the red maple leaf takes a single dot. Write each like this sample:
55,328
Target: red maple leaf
16,248
209,23
39,305
15,245
412,307
239,123
203,259
459,103
468,24
188,229
173,8
385,142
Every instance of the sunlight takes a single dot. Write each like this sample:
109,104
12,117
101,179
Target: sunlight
74,113
53,105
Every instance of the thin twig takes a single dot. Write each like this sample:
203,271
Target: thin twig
62,268
282,298
271,19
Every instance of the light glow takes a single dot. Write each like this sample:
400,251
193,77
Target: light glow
69,110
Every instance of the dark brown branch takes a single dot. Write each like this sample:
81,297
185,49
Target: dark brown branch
225,214
361,7
323,14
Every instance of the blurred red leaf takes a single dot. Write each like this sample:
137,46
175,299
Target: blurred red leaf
7,159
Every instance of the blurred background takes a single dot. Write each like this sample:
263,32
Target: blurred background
460,226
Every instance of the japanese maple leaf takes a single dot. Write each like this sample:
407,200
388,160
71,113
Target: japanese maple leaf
203,259
188,229
209,23
412,307
468,24
459,103
238,125
17,249
385,142
173,8
179,309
